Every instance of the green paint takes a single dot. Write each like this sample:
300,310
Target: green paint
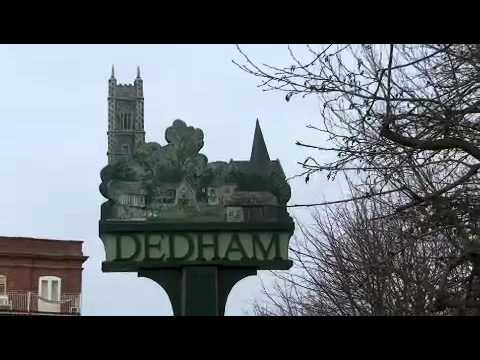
274,243
176,183
207,247
235,246
194,227
202,245
119,256
190,247
149,245
200,291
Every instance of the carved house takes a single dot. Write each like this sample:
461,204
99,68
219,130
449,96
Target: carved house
185,194
165,194
252,206
254,190
219,195
130,198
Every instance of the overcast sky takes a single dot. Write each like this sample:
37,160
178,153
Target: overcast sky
53,116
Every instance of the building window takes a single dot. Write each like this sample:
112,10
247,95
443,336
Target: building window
132,200
49,294
124,121
49,288
125,149
119,121
3,284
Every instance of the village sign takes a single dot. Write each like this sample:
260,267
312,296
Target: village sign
194,227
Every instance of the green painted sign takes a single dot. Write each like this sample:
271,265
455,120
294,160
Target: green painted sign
182,221
195,248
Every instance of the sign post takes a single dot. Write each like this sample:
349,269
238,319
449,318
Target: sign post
194,227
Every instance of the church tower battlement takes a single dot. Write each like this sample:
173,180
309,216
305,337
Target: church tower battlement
125,118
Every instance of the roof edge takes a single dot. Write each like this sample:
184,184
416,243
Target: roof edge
39,239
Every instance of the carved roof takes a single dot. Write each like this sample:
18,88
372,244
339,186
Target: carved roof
259,156
155,168
262,198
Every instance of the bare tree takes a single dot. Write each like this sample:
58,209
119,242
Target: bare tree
404,118
407,107
349,264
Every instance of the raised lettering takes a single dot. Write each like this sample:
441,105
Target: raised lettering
236,246
119,248
274,242
202,245
172,241
149,245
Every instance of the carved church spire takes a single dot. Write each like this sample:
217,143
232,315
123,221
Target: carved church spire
259,154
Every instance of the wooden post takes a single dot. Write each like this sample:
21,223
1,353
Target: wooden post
197,290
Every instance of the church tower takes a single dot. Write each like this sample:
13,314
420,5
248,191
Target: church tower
125,118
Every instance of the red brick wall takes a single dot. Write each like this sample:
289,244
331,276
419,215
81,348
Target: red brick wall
40,246
23,261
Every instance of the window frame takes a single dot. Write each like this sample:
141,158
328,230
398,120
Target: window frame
4,283
50,279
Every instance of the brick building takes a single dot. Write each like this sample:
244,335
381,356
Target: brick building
40,276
